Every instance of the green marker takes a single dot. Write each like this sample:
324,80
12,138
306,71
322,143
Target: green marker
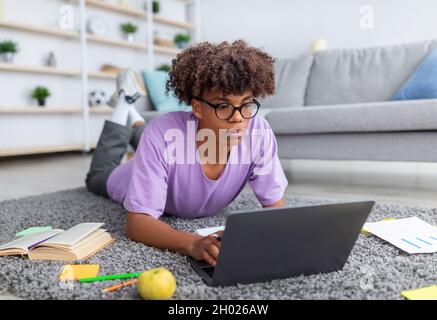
111,277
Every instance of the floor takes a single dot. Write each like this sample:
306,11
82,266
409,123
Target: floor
49,173
41,174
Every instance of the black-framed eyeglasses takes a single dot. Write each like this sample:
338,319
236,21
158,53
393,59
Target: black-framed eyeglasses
225,111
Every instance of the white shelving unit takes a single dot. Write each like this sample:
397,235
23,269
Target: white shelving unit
91,119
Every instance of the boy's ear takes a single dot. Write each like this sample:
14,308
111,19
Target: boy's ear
196,106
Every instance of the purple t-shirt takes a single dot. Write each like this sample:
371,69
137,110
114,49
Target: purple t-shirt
157,180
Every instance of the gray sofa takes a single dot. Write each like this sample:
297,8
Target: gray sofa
334,105
343,112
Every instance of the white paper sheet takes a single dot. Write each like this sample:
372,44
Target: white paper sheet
412,235
207,231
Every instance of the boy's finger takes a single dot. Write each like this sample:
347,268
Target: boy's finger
218,233
208,258
216,242
213,251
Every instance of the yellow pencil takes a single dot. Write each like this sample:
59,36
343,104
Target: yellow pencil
119,286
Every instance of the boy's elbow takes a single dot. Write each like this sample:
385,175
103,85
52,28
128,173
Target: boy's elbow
136,224
131,229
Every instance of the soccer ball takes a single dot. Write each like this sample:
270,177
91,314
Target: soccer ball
97,98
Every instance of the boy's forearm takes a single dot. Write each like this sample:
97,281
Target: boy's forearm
155,233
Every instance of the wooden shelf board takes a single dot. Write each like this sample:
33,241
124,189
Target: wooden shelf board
54,71
129,45
38,29
173,23
45,149
38,70
116,8
53,110
39,110
168,50
138,13
101,110
102,75
90,37
115,42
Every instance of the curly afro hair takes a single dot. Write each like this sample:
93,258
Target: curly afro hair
230,68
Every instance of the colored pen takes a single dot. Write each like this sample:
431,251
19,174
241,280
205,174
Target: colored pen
119,286
111,277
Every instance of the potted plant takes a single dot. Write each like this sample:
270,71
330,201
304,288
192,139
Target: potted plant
41,94
129,30
164,67
8,49
156,6
182,40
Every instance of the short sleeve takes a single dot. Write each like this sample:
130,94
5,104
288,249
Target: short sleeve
147,189
267,178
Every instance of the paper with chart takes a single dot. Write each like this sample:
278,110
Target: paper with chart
412,235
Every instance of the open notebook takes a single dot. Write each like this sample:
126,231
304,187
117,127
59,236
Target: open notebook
76,243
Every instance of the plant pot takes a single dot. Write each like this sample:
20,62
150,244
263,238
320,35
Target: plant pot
130,37
182,44
41,102
8,57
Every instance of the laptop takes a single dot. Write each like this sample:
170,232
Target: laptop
265,244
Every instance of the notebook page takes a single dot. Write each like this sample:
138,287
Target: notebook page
75,234
30,240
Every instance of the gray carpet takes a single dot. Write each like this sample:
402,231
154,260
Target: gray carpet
375,269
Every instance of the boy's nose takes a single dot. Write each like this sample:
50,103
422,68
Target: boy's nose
236,117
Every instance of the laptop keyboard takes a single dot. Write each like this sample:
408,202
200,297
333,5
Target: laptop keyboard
209,270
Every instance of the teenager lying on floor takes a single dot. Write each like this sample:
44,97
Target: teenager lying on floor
172,172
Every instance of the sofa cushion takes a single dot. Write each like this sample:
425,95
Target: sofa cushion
291,77
155,82
362,75
144,104
422,84
411,115
149,115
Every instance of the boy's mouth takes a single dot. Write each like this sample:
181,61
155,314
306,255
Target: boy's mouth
236,132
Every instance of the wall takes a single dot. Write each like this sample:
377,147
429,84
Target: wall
287,27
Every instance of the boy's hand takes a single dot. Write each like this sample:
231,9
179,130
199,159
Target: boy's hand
206,248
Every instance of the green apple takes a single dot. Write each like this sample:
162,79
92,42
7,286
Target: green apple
156,284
